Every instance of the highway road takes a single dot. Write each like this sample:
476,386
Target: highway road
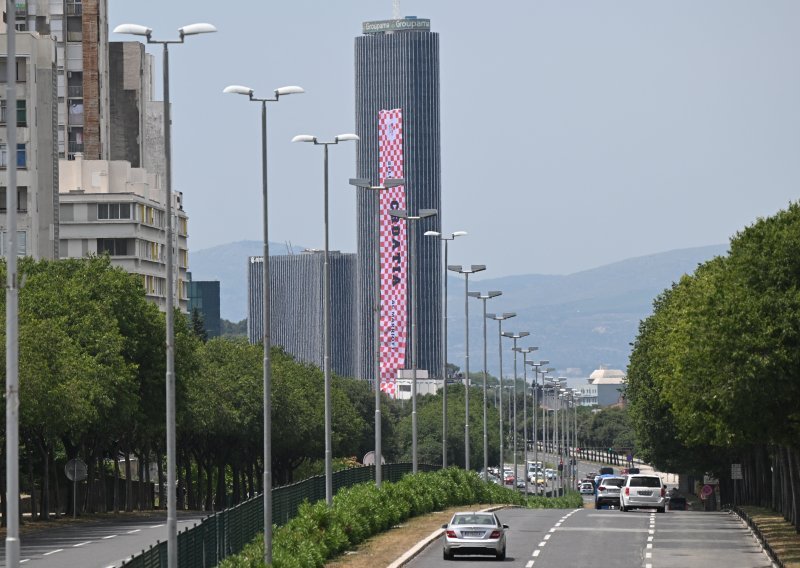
540,538
95,544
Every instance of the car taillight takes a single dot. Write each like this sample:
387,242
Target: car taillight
602,488
495,534
663,491
451,534
627,491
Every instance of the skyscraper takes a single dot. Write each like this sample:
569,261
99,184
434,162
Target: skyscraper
397,70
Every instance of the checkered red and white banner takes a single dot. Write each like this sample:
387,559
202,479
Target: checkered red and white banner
393,252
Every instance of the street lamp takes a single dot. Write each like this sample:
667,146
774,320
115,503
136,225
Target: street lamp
515,337
536,366
326,309
446,240
266,331
466,271
525,351
484,297
412,267
172,518
500,318
375,190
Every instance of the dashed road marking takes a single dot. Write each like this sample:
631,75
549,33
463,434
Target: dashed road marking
547,536
541,544
157,526
109,536
529,564
81,544
53,551
536,553
134,531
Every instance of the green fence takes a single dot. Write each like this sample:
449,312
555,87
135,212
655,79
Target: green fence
225,533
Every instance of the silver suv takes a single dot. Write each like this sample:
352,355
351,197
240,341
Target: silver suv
642,491
608,489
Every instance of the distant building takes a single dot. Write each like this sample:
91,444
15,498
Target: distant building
397,119
610,385
108,207
425,384
204,297
296,307
35,155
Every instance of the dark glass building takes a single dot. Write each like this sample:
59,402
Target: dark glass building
296,306
204,297
397,67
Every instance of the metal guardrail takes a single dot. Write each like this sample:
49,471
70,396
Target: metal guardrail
226,533
759,535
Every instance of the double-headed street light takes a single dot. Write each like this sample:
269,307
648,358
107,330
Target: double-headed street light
515,337
376,308
412,268
326,312
466,271
484,297
265,314
525,351
445,239
500,318
172,518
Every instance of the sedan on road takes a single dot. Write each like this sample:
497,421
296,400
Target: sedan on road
608,488
474,533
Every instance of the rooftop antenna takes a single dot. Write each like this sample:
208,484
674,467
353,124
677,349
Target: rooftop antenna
395,9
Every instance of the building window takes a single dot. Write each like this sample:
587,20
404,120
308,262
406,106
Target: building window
114,247
113,210
22,242
22,113
22,199
22,161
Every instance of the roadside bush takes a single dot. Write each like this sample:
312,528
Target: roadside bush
320,532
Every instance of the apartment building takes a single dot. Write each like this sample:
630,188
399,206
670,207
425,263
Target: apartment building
110,207
35,154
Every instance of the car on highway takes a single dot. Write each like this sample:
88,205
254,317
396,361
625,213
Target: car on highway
587,488
643,491
508,477
550,473
608,489
474,533
521,483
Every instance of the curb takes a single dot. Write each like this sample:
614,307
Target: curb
421,545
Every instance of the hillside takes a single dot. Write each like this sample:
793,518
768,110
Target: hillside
580,321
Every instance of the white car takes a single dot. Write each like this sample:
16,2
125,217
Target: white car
587,488
642,491
474,533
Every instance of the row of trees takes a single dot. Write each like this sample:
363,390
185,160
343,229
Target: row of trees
91,363
714,375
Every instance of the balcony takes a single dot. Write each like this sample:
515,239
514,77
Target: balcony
75,91
75,147
74,9
75,119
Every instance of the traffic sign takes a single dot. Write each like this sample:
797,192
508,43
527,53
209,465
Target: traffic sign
706,491
736,471
75,470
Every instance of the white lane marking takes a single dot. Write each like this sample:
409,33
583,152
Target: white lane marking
648,566
650,538
81,544
552,530
649,545
536,552
541,544
557,525
651,531
134,531
26,560
529,564
53,551
648,554
157,526
547,536
109,536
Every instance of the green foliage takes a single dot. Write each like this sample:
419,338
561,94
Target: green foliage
319,532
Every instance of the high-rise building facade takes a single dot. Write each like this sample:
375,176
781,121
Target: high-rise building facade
397,69
35,154
296,306
204,297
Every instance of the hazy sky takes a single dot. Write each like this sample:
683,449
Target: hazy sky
574,133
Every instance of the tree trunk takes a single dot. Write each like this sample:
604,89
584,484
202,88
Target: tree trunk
32,483
187,476
161,497
45,512
237,494
128,482
220,501
209,486
115,453
148,485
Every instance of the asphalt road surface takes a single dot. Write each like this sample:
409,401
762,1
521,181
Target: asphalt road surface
94,544
540,538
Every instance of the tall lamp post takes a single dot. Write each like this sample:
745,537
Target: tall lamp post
326,312
376,189
266,331
446,240
514,337
412,268
525,351
172,515
466,271
484,297
536,366
500,318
